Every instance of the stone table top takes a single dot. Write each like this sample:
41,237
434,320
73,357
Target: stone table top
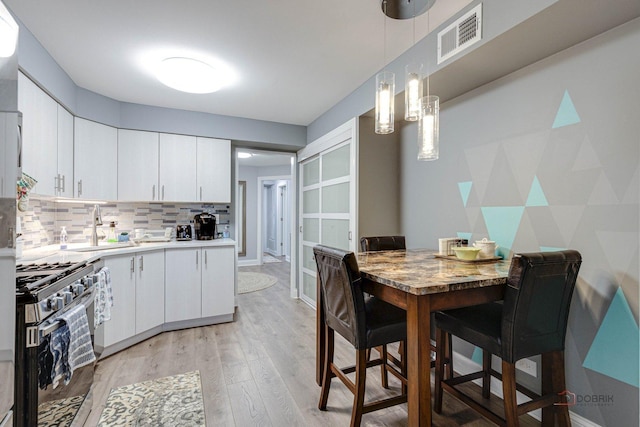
419,272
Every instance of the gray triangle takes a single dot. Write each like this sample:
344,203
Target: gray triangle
603,193
481,163
587,158
526,239
501,187
567,219
632,195
524,153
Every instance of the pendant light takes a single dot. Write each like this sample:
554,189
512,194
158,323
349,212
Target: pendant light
429,122
385,90
412,83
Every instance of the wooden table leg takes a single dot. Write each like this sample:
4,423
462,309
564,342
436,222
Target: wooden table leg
419,360
320,332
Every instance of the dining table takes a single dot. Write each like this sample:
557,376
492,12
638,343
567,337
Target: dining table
421,282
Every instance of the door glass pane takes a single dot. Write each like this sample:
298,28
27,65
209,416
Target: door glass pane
311,201
307,257
311,173
335,233
311,230
335,198
309,286
335,164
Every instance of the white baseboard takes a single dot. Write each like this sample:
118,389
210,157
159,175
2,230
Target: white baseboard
247,262
464,365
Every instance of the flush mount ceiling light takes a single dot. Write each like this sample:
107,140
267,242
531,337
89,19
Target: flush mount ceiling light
190,75
8,33
243,155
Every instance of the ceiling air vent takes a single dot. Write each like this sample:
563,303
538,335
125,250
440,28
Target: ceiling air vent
461,34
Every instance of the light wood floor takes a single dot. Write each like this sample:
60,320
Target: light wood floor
260,369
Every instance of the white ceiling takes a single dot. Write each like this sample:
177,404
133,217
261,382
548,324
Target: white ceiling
294,59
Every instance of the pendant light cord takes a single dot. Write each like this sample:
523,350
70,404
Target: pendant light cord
428,14
384,41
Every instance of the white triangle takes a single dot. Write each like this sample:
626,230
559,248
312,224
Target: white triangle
603,193
586,158
480,161
620,250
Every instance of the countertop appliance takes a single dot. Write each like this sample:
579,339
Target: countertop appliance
184,232
10,147
44,292
205,226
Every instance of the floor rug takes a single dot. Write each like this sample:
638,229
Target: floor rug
266,259
174,401
251,282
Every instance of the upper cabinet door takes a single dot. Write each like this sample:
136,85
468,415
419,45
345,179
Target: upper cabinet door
177,168
95,160
137,165
39,135
213,170
65,153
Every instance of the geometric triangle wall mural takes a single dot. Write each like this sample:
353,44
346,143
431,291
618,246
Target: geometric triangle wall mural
502,224
536,195
567,114
465,189
615,350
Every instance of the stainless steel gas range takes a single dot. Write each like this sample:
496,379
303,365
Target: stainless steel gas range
48,392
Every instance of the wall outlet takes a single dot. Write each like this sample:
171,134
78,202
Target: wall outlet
527,366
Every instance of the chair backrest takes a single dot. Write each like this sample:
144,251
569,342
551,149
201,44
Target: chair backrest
537,301
342,296
382,243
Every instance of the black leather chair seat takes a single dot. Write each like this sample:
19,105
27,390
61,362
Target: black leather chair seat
480,325
386,323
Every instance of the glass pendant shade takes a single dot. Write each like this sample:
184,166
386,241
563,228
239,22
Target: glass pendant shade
412,92
429,128
385,90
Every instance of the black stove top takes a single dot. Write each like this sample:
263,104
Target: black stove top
34,277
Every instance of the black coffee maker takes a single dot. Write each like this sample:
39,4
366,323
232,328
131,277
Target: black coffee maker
205,226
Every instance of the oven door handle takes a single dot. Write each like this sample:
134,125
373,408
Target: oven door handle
54,324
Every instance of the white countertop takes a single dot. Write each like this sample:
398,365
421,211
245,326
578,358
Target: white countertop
52,253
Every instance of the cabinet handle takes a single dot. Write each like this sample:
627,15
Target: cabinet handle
205,258
79,188
133,265
162,191
200,193
350,235
197,257
301,229
62,181
56,185
141,263
153,192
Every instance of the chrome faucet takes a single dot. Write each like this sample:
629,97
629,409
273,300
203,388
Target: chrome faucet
95,222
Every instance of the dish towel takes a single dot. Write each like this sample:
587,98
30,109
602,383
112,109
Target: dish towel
80,352
103,297
59,348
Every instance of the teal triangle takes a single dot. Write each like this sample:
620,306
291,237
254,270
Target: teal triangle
567,114
477,356
465,190
502,225
615,350
463,235
536,195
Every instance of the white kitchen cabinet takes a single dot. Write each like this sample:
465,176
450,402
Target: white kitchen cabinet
218,280
65,153
149,275
95,160
183,269
213,170
137,165
177,173
39,135
123,313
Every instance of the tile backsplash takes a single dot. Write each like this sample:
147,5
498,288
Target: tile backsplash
42,222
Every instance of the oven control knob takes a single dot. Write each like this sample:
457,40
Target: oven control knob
78,288
55,303
68,297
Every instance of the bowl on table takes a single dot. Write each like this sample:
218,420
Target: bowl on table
467,253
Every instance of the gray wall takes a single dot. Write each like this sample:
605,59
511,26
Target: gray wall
251,175
534,170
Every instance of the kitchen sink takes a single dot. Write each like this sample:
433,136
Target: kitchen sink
101,247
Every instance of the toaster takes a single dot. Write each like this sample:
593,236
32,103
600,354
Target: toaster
204,225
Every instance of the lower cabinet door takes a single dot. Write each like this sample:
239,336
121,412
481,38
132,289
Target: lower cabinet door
182,284
123,313
218,281
149,290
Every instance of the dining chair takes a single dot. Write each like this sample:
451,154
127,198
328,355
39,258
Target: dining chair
385,243
531,320
364,322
